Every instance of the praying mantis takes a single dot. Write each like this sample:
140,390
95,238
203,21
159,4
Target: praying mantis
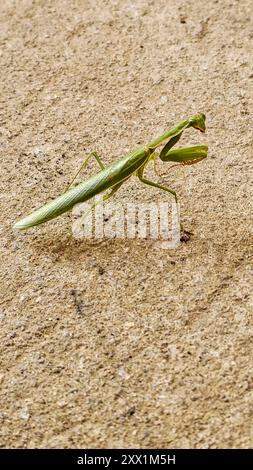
114,175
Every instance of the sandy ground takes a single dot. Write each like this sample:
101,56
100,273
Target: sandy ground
120,343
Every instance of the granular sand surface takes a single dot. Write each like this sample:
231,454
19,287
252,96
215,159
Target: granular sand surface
122,343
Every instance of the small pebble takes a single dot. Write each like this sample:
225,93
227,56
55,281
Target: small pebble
38,152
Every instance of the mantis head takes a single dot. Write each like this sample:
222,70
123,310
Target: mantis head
186,155
198,121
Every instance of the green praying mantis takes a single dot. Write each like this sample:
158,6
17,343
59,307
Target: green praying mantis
113,176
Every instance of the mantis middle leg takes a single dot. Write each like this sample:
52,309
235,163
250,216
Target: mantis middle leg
155,185
185,235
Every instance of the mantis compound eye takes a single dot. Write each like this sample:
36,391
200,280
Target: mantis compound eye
198,121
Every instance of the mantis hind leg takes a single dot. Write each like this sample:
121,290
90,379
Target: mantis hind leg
84,165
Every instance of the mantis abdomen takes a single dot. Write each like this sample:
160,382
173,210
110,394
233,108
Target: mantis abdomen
96,184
